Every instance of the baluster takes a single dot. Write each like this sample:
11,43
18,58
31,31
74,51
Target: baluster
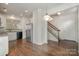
58,37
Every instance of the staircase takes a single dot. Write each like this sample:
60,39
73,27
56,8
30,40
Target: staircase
61,42
52,29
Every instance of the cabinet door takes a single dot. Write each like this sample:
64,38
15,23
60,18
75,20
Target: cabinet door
12,36
2,20
4,44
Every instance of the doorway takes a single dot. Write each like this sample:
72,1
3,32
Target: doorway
19,35
29,30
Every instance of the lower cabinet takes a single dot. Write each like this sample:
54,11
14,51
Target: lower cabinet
12,36
15,35
4,48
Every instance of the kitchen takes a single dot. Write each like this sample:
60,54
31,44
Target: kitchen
11,29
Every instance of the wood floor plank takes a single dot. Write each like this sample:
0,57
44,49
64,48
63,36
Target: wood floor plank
25,48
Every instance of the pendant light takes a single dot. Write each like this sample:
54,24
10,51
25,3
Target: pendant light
47,17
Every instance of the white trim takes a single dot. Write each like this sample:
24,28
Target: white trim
37,43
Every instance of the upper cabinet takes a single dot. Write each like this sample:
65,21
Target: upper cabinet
2,20
12,24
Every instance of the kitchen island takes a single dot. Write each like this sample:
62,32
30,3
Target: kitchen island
12,34
3,43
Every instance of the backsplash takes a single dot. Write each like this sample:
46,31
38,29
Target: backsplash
2,29
12,24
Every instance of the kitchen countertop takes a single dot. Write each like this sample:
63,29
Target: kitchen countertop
16,30
3,34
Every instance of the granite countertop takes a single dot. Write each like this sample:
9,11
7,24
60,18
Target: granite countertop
3,34
14,30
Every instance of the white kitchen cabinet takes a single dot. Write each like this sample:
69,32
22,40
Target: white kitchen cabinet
12,36
3,45
2,20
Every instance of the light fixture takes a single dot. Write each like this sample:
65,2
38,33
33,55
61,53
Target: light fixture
26,11
58,13
50,18
11,17
6,3
47,17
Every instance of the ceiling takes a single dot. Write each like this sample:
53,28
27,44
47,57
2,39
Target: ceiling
19,8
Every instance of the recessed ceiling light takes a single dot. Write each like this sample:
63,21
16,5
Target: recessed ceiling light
6,3
58,13
26,10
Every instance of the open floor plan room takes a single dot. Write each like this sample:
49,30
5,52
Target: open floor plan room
39,29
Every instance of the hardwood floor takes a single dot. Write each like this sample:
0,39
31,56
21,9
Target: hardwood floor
25,48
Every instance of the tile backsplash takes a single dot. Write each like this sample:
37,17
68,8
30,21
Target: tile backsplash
2,29
12,24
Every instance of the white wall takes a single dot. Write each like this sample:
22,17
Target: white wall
66,23
61,7
39,27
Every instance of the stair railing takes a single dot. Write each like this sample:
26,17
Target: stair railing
50,27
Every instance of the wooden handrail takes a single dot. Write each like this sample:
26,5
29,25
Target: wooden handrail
50,31
55,28
58,32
